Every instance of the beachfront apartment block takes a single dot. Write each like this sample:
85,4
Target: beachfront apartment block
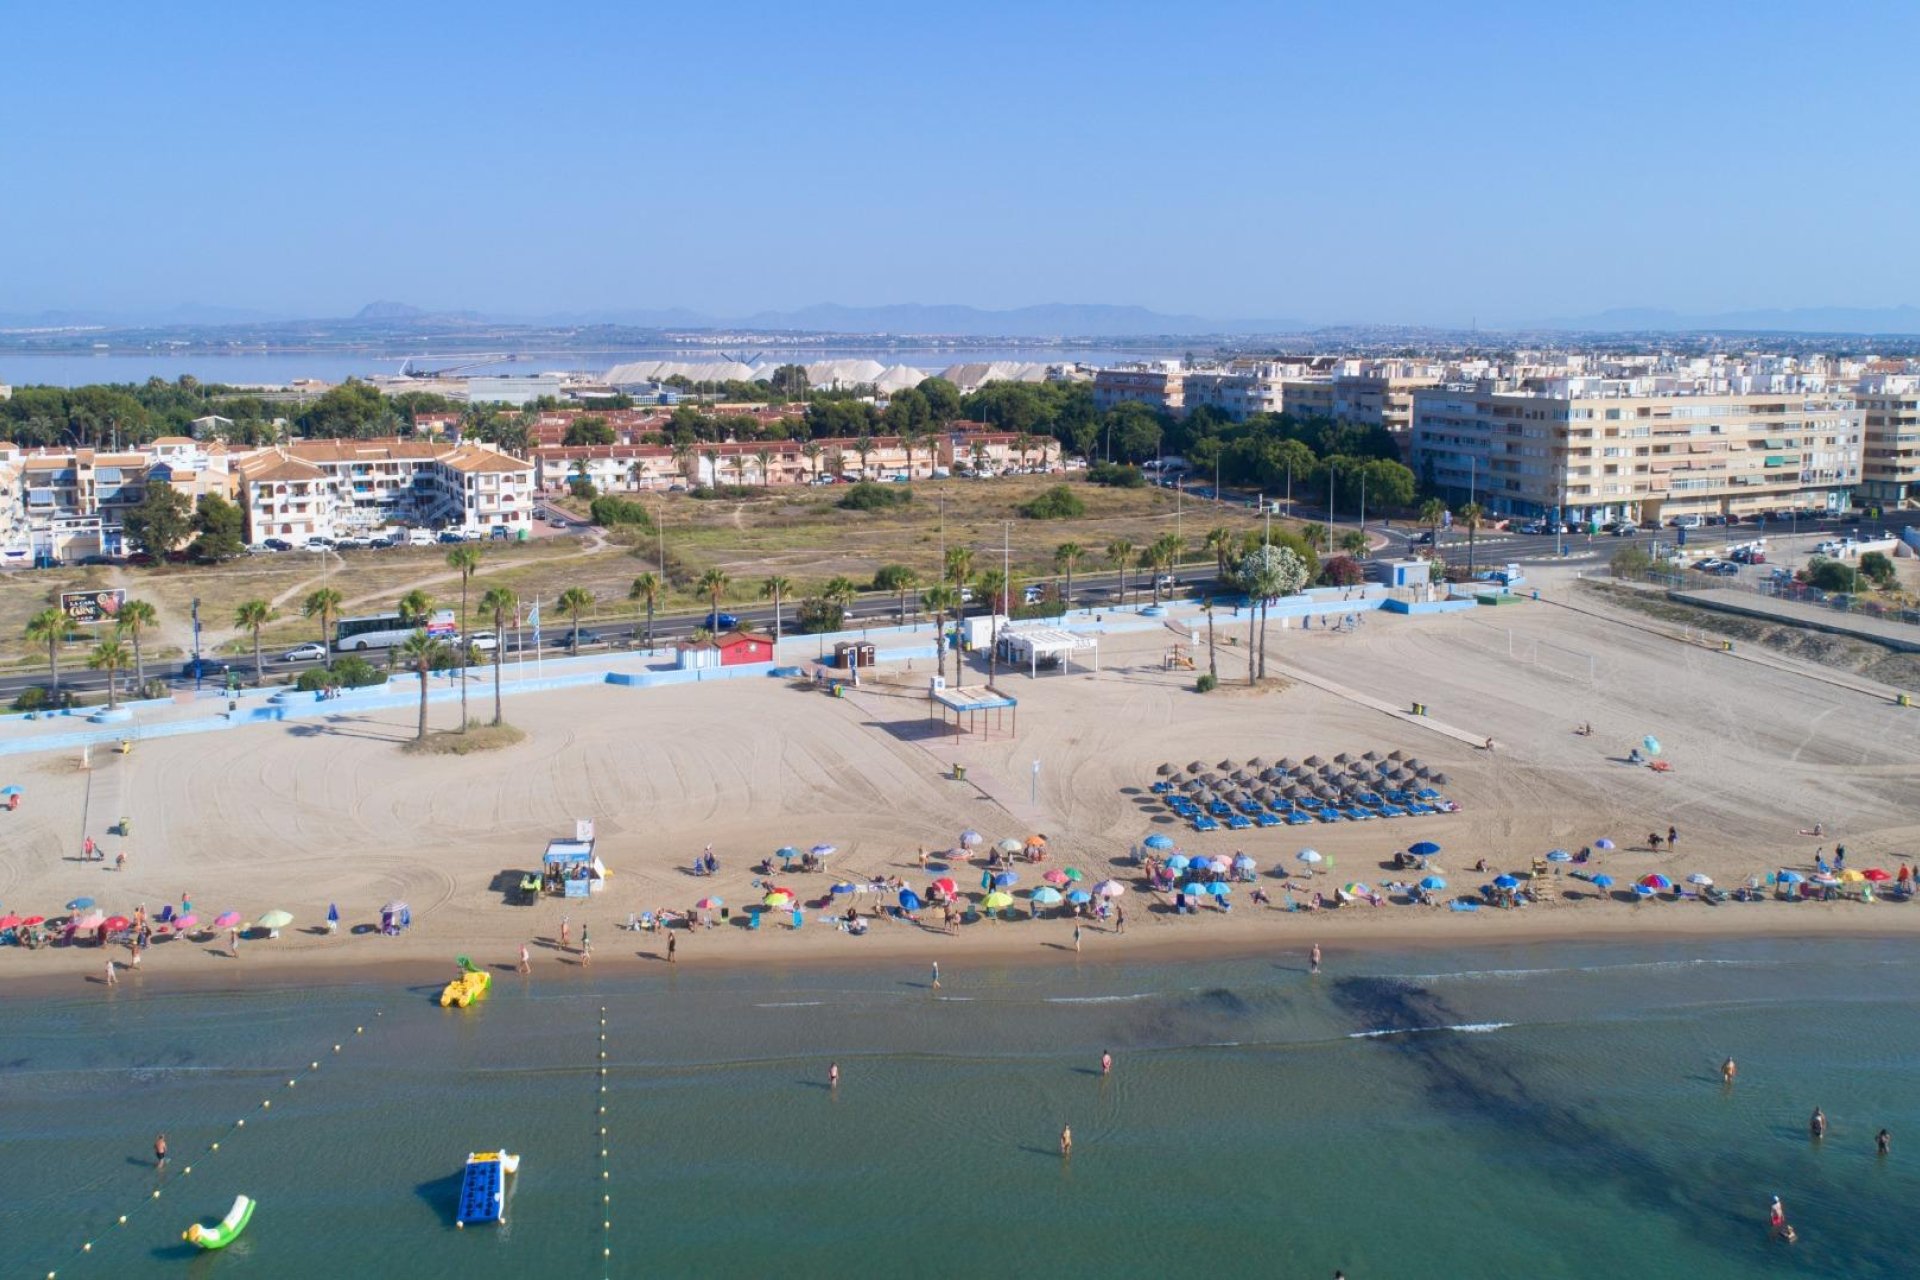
1595,449
1236,393
1890,422
621,468
336,488
1158,384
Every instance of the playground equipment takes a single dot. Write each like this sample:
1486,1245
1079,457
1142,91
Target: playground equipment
483,1195
224,1232
472,983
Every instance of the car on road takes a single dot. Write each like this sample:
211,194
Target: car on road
451,537
721,621
317,543
205,668
483,642
581,639
559,522
1034,594
1534,528
1625,529
1719,568
305,653
1425,539
1687,522
277,544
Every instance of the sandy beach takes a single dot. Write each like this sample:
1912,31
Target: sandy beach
298,816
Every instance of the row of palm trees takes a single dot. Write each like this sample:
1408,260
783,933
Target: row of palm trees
113,653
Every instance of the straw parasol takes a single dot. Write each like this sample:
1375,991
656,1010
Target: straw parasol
1314,762
1165,770
1441,779
1224,765
1258,762
1370,756
1194,766
1342,758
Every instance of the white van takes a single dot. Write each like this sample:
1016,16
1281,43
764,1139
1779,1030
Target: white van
420,538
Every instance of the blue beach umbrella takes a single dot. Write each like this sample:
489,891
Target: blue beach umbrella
1046,895
1193,888
1433,884
1505,882
1559,855
1603,843
1158,841
1643,891
909,900
842,888
1790,877
1078,896
1006,880
822,850
786,852
1603,882
1179,862
1425,849
80,904
1219,889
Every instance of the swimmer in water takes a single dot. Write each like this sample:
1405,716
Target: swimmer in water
1313,959
1818,1125
1066,1140
160,1152
1106,1069
1728,1071
833,1076
1883,1143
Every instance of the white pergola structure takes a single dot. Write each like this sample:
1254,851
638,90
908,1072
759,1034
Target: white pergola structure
1048,645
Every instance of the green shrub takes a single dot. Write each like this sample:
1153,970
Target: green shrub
609,512
31,698
868,496
709,492
1877,566
348,672
1117,475
1831,575
817,615
582,489
1057,503
1207,683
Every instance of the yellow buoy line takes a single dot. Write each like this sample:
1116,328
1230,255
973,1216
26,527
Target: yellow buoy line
213,1148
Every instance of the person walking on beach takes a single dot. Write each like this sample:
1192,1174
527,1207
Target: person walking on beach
1839,857
936,974
1066,1141
1119,919
1076,939
1106,1064
526,963
833,1075
1883,1144
1313,959
1673,839
1727,1072
566,932
586,946
86,850
113,978
1817,1126
160,1152
673,944
133,954
233,941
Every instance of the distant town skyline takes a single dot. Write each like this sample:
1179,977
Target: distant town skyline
1387,163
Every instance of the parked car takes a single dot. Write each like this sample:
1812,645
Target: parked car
352,542
484,642
500,533
277,544
305,653
143,560
419,537
205,668
1687,522
559,522
452,537
318,543
721,621
1625,529
581,639
1034,594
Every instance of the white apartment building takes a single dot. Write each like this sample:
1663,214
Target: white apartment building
1158,384
1890,422
1594,449
1239,393
332,488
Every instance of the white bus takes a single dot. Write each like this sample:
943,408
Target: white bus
385,630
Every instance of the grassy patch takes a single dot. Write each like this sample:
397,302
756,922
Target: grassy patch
478,737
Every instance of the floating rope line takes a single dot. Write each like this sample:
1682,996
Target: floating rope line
606,1169
213,1148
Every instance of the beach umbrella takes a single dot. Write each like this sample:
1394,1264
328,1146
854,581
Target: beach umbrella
115,923
786,853
1505,882
1224,765
1643,891
1009,845
1036,841
1825,878
1790,877
1194,766
1342,758
88,922
226,920
1164,770
1110,889
185,922
1851,876
844,888
80,904
1654,880
11,791
1559,855
275,919
1699,879
1258,762
1603,843
1075,873
1370,756
1238,775
969,838
31,921
1219,864
945,885
822,850
1309,856
909,900
1603,882
1045,895
1057,876
333,913
1355,889
1433,884
714,904
1314,762
996,901
1244,862
1425,849
1005,880
1651,744
777,898
1875,874
1158,841
1441,779
1178,862
1079,896
9,921
1219,889
1288,762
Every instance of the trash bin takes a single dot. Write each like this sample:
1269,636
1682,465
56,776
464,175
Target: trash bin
959,773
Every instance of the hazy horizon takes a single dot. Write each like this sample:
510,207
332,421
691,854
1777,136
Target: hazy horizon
1390,163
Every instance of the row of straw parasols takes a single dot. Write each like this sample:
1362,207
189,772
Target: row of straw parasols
1294,779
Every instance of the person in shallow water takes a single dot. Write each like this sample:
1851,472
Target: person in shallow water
1817,1126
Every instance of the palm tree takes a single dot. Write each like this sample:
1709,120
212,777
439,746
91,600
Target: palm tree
635,470
49,627
419,652
714,583
863,446
683,456
764,456
502,604
1433,514
909,440
326,603
110,655
646,589
979,456
998,589
1472,515
135,617
775,588
899,579
1213,659
940,600
1220,541
959,565
1161,555
253,615
414,607
1120,551
1313,534
1066,558
575,601
811,452
1355,543
464,559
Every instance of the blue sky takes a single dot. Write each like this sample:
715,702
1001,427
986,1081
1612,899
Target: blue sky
1334,162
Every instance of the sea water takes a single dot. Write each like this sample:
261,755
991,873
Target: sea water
1539,1111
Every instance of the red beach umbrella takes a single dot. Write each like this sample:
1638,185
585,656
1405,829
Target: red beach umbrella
1875,874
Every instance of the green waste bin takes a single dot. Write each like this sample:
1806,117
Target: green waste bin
959,773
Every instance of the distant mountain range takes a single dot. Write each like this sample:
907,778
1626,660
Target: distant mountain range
1891,321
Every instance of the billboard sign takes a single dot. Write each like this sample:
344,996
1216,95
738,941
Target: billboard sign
92,606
